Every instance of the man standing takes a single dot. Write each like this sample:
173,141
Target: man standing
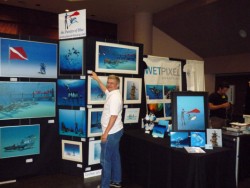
218,105
112,128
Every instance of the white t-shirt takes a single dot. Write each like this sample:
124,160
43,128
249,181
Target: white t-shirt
112,106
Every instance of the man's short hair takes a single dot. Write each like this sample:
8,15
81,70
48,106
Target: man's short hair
223,85
114,77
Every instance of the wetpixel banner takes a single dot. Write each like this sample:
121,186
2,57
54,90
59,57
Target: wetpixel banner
162,76
72,24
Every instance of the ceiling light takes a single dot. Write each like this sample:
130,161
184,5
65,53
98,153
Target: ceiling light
242,33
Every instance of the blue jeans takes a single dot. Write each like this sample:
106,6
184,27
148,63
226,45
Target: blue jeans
110,159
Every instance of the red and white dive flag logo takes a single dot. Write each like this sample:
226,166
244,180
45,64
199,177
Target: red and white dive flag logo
17,53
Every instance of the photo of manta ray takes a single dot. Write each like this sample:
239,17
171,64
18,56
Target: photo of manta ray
19,100
72,122
71,92
154,91
21,140
71,57
116,58
20,58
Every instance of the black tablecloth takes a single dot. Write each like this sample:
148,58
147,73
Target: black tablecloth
151,162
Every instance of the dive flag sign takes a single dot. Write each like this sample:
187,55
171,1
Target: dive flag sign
72,24
17,53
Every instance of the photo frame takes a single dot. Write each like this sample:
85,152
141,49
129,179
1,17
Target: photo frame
214,137
197,139
95,94
116,58
72,123
71,92
19,140
131,115
189,111
72,150
32,59
94,122
20,100
71,57
132,90
94,152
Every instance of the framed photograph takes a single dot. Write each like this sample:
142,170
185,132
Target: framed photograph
157,109
95,94
20,140
72,122
20,58
94,122
71,92
131,115
20,100
154,92
94,152
179,139
189,111
71,57
198,139
116,58
132,90
214,137
72,150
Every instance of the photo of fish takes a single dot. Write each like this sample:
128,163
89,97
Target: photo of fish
71,57
154,91
132,90
179,139
71,92
19,100
72,122
72,150
21,140
198,139
20,58
94,152
116,58
94,122
95,94
190,110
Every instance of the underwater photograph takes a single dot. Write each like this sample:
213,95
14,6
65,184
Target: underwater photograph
19,100
116,58
94,122
94,152
72,150
179,139
21,140
71,57
71,92
132,90
72,123
168,89
191,115
20,58
154,91
198,139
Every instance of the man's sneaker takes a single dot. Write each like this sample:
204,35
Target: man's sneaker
112,184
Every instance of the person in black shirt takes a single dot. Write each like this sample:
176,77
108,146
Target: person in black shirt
218,105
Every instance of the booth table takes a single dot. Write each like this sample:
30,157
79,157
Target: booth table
152,163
